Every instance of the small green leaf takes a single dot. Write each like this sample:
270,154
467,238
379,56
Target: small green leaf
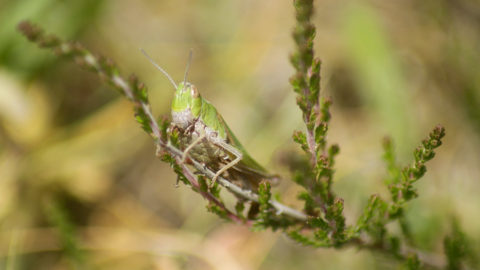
240,207
298,237
213,208
143,120
309,205
164,123
215,190
318,222
300,138
202,184
174,134
264,195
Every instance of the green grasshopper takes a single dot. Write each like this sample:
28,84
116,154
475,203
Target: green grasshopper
206,137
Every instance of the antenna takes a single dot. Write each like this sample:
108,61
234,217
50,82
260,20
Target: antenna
159,68
190,54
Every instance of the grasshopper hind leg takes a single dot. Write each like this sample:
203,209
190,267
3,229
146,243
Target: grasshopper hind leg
234,151
190,147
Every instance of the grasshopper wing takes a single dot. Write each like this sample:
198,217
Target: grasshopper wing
247,166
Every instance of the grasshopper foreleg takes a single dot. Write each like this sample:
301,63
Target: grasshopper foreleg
234,151
190,147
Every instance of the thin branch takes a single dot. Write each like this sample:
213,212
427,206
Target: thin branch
247,194
193,181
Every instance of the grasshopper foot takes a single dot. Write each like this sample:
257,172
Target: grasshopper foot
214,179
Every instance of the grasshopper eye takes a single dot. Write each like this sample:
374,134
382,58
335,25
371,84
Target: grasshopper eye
194,91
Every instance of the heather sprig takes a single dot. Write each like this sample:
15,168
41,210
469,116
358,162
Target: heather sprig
320,201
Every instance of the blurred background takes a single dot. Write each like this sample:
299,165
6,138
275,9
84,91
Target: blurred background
80,187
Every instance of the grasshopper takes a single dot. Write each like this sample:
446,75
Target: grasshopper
206,137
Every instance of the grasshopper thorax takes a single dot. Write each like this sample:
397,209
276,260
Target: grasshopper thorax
186,105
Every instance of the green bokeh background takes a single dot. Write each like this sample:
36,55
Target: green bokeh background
80,187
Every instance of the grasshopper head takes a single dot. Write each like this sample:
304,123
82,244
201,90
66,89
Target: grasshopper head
186,104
